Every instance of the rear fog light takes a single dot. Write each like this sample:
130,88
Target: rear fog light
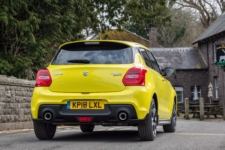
84,119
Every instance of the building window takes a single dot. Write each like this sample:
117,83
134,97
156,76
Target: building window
180,91
195,92
215,81
214,52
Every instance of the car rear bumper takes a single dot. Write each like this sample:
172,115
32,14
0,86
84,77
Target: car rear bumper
108,116
139,97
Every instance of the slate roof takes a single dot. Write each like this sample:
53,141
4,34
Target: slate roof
124,35
216,27
182,58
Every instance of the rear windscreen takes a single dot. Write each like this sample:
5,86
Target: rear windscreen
99,53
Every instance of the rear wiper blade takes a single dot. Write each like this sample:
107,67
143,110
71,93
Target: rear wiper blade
85,61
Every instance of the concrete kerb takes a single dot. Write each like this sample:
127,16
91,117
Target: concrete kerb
16,126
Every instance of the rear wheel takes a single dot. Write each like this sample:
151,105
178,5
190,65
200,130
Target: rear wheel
147,130
44,131
172,127
87,128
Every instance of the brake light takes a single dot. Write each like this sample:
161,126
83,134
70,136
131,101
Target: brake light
84,119
135,77
43,78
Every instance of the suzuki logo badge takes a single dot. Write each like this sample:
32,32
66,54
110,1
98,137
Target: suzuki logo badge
85,73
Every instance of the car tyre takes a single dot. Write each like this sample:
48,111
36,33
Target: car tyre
44,131
147,130
172,127
87,128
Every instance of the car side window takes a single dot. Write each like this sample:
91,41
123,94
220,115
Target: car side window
154,62
146,58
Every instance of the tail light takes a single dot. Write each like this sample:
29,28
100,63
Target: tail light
43,78
135,77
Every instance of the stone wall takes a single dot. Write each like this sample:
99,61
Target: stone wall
15,97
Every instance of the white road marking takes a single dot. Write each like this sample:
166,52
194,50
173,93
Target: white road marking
62,131
111,129
204,134
126,128
99,129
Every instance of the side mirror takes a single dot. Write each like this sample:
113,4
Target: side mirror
169,71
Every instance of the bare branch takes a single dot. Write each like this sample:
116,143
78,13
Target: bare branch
211,6
223,6
219,2
204,11
194,5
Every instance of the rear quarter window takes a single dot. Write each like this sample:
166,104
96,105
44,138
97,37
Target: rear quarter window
106,53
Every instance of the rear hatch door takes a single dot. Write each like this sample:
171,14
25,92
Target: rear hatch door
90,67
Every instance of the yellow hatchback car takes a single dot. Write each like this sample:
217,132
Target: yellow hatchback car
103,82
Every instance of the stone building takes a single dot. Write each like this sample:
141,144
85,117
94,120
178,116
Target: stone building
191,70
208,42
196,66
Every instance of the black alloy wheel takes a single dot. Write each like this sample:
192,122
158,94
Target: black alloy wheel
44,131
147,130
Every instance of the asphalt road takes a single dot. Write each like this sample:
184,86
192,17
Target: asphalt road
190,135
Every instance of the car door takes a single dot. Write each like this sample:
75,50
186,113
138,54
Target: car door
165,87
157,79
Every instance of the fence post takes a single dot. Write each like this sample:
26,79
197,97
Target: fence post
201,108
186,106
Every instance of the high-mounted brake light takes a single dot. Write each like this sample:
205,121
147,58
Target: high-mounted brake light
43,78
135,77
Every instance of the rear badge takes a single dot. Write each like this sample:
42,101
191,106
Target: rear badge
116,73
57,74
85,73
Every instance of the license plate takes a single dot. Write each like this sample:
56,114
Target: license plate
85,105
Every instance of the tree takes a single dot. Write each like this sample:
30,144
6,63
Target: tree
208,10
32,30
183,29
146,13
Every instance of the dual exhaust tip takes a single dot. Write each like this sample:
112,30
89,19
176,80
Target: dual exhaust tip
48,116
122,116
